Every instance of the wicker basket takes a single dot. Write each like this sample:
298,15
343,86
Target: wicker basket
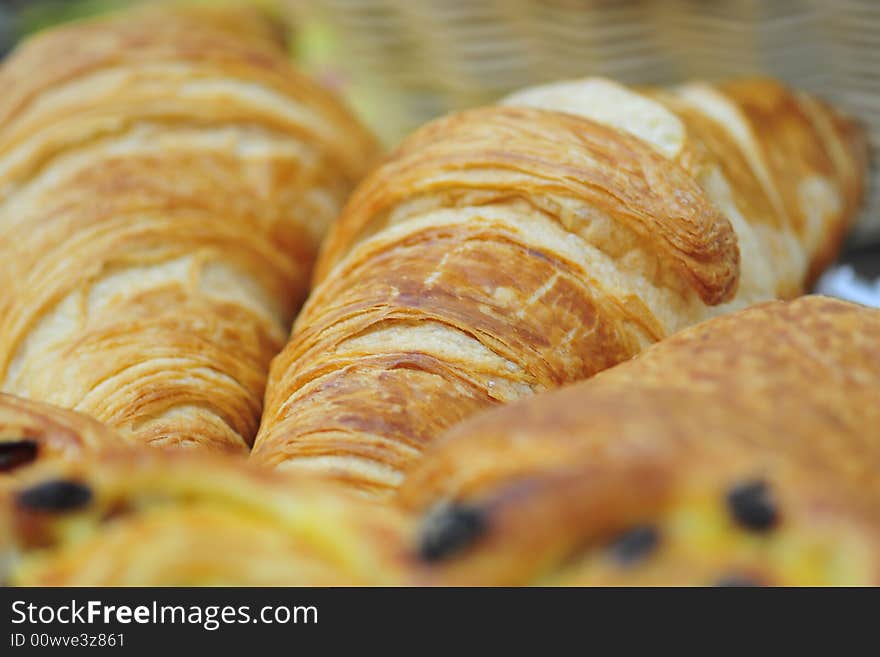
405,61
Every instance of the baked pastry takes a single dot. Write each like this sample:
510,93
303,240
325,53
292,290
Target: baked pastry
744,450
32,431
741,451
513,249
154,517
165,180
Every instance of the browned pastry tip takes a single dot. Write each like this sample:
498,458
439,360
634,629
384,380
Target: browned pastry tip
807,144
745,447
508,250
166,177
152,517
32,431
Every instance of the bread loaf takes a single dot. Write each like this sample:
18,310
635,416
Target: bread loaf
162,517
744,450
513,249
165,180
741,451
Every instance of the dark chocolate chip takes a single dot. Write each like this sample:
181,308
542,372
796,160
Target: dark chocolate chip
737,580
635,544
751,505
58,495
15,453
449,529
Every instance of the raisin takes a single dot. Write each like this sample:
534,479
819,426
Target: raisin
15,453
635,544
56,496
751,505
450,529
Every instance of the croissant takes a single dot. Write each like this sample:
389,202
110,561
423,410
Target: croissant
744,450
162,517
512,249
165,180
32,431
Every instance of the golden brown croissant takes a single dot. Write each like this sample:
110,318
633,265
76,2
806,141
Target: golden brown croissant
742,450
165,179
32,431
513,249
159,517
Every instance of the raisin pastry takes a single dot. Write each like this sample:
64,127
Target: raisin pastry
744,450
165,180
32,431
154,517
513,249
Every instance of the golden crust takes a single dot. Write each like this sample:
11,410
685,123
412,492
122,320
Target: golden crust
780,394
165,180
805,143
161,518
560,156
513,249
32,431
784,393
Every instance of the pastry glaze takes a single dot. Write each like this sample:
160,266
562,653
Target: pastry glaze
645,474
784,394
165,180
513,249
161,517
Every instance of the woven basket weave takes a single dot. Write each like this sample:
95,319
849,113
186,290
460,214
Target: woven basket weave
404,62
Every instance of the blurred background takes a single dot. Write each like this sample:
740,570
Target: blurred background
403,62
